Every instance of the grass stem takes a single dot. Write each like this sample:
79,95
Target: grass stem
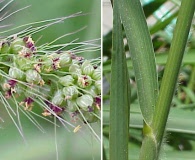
172,68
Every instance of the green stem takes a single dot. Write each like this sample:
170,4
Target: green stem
172,68
119,97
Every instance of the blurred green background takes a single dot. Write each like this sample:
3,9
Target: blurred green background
41,146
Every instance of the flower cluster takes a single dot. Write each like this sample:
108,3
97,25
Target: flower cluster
59,81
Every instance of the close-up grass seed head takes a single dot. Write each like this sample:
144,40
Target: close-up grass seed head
50,85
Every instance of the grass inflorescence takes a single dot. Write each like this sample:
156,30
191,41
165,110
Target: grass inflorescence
49,81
